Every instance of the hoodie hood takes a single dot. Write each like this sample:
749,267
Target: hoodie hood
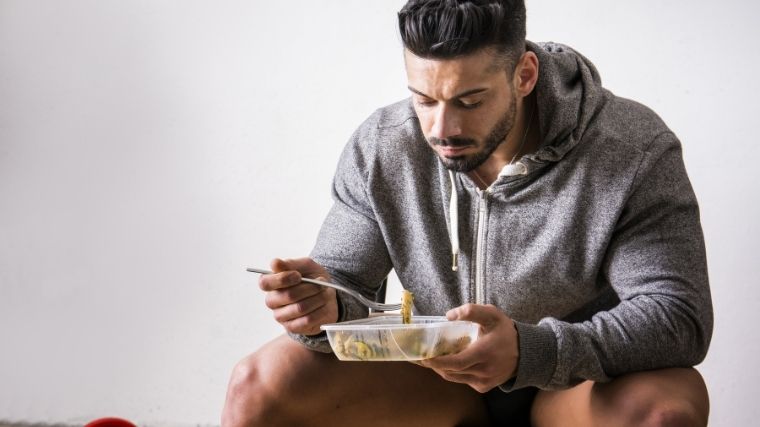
569,94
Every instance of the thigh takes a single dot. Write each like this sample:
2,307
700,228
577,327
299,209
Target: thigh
326,391
638,398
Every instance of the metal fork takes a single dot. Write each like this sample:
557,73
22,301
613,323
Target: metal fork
378,306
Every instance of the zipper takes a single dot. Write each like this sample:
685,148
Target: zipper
480,245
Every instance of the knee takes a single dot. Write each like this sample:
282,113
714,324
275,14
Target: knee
672,414
644,401
251,396
645,411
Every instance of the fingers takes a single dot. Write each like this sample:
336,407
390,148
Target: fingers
477,372
487,316
277,298
488,361
461,361
288,272
470,360
300,307
477,382
306,266
307,315
285,279
307,312
476,375
297,309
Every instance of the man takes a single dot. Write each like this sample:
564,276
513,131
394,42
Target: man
514,191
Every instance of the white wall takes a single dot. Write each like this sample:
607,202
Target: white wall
150,150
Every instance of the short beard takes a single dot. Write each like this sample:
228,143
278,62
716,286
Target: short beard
496,137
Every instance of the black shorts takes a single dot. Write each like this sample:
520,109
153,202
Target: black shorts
510,409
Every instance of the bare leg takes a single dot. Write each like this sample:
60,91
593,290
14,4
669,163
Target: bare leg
665,397
286,384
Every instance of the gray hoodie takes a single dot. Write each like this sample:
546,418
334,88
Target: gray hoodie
592,244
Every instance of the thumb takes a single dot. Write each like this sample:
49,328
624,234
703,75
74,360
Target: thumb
487,316
305,266
278,265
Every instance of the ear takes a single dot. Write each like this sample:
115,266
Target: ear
526,74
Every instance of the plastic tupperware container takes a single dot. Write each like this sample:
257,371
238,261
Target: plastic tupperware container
386,338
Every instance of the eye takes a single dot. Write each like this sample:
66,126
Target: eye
425,102
469,105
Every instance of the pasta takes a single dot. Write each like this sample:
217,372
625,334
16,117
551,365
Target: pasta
401,344
407,298
387,338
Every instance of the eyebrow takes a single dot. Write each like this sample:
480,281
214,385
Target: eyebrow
459,95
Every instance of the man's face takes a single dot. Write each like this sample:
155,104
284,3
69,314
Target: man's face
466,106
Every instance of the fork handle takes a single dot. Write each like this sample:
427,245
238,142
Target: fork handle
314,282
303,279
364,300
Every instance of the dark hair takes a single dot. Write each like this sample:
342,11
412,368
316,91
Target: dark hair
445,29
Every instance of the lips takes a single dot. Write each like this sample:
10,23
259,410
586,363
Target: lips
452,151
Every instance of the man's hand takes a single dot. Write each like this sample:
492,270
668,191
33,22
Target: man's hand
300,307
490,360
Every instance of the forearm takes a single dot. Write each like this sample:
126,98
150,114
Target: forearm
656,265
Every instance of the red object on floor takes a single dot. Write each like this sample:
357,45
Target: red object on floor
109,422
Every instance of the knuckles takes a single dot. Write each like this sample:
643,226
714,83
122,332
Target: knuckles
454,365
269,301
278,298
301,307
466,310
263,283
481,387
304,325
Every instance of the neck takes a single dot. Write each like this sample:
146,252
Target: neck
522,139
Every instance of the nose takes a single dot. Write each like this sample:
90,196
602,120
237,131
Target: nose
446,123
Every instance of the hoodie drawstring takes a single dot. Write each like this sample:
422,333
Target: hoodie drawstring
454,222
511,169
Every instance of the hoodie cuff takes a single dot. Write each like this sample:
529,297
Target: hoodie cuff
538,357
348,309
317,342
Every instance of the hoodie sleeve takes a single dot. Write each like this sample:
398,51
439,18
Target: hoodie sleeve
656,264
350,244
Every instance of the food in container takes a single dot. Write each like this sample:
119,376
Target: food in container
387,338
